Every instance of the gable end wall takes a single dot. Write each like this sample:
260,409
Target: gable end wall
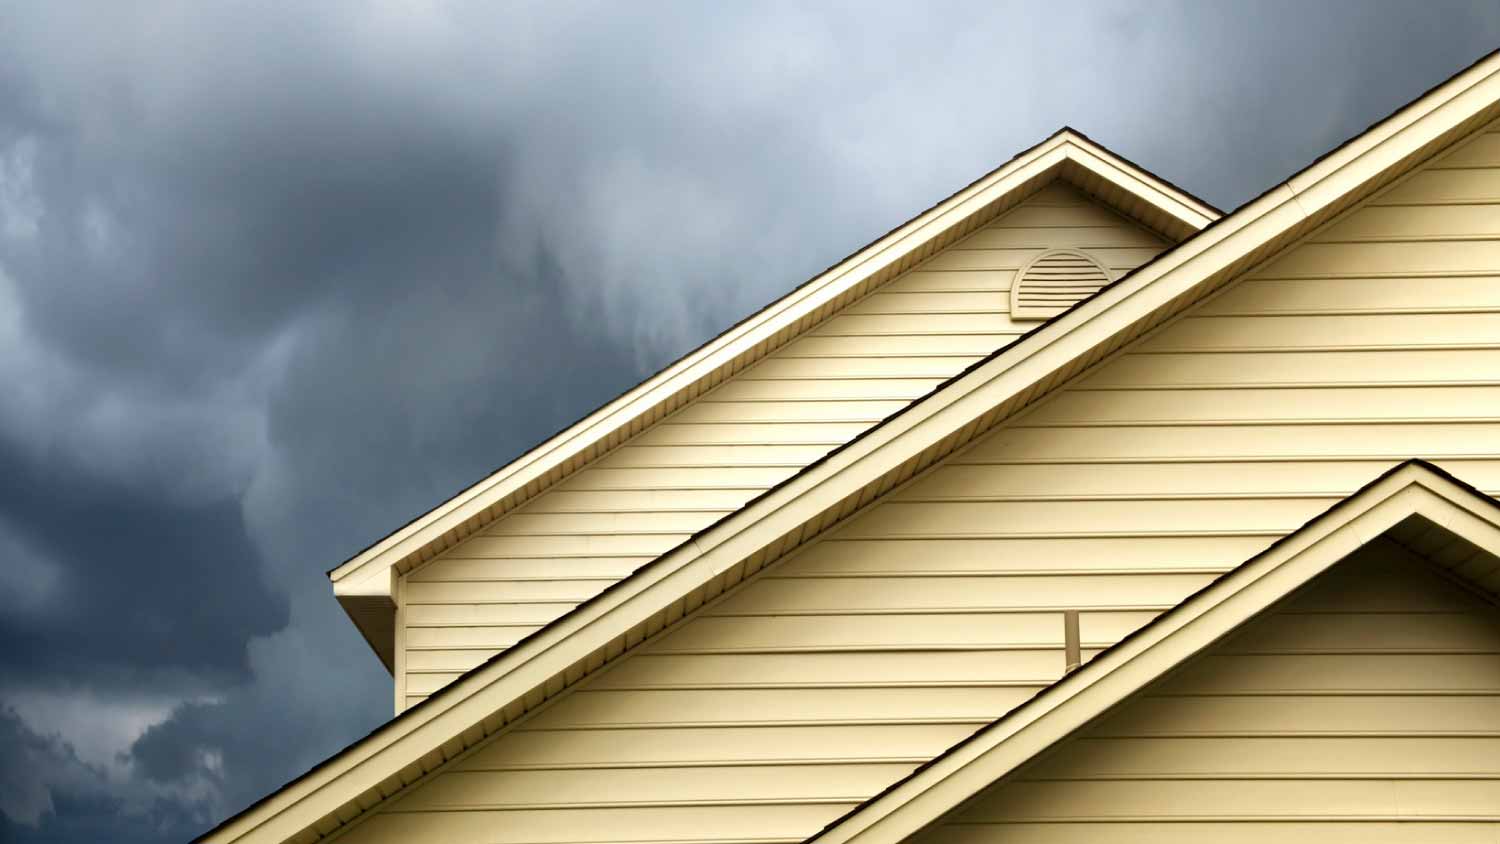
738,440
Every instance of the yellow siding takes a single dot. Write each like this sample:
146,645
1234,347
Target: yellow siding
774,710
1365,708
708,459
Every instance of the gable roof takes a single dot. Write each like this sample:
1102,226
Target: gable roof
1415,503
363,584
483,701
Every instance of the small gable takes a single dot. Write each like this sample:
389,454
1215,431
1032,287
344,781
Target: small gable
755,430
1365,707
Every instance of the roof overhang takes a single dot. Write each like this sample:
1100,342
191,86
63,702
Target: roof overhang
363,585
403,751
1415,505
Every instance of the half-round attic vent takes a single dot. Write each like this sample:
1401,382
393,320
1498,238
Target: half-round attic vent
1053,282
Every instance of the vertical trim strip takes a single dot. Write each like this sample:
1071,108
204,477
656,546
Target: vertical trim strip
1072,648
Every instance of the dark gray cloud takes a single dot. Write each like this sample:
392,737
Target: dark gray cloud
276,277
205,576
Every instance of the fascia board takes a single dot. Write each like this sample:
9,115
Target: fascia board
1445,106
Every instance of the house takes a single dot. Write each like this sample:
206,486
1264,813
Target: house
1072,509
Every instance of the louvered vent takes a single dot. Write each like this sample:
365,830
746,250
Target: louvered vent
1053,282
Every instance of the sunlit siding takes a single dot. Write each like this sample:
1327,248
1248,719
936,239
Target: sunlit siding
708,459
1365,708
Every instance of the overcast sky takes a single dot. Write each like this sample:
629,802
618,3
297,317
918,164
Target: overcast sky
276,277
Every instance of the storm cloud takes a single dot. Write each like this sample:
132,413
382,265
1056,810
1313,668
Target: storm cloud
276,277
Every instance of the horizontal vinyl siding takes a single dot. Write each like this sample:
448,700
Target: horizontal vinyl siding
1364,708
763,717
766,423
